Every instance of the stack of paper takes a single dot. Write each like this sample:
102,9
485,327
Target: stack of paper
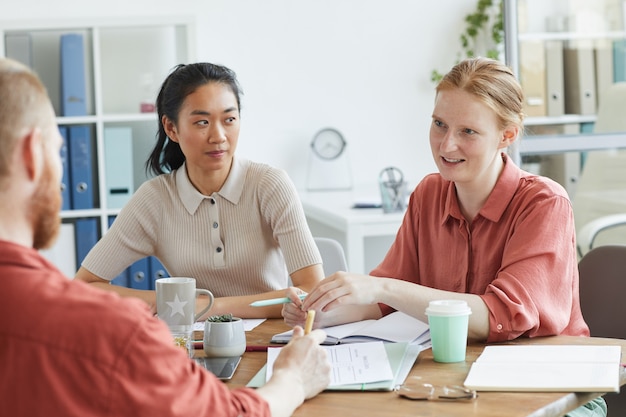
542,368
373,366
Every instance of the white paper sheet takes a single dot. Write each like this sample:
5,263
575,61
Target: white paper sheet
358,363
248,324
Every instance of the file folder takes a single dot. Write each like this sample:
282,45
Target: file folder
579,79
603,59
118,162
81,167
73,89
18,47
65,164
122,278
533,77
619,60
86,237
554,79
63,253
157,270
139,274
578,368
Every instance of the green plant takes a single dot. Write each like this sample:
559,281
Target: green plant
221,318
484,32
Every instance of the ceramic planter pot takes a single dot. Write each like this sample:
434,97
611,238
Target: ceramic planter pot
222,339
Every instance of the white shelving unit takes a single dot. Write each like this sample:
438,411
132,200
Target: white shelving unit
558,140
126,61
591,22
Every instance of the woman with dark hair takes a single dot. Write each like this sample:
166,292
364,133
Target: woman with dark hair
234,225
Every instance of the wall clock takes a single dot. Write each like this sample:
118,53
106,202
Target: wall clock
328,168
328,144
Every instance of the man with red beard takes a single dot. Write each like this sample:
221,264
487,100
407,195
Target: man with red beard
70,349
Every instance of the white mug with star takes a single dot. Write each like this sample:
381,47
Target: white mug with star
176,305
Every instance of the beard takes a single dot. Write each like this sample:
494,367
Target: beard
45,209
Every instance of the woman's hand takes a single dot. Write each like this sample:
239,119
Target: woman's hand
343,288
338,290
292,312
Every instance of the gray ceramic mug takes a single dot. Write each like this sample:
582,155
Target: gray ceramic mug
176,302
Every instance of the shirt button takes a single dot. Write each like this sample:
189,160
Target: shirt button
212,201
218,250
499,327
215,225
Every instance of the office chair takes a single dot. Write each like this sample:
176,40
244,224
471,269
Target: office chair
601,190
333,256
602,288
587,234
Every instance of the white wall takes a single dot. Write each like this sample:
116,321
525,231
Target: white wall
361,66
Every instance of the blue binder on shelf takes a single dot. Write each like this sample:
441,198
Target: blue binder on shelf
65,180
118,162
139,274
122,278
73,88
157,270
81,167
86,237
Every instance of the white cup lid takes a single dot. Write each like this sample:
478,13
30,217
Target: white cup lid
448,308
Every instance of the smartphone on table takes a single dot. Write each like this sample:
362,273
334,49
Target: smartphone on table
223,368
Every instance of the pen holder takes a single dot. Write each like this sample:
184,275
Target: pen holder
392,190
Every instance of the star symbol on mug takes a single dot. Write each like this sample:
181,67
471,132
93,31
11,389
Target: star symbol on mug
176,306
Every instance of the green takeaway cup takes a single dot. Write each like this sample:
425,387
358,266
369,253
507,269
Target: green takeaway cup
448,321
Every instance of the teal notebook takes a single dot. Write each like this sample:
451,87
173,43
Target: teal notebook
401,356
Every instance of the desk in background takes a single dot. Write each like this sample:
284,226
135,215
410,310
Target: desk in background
488,404
365,234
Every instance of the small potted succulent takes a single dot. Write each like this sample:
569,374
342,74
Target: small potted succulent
224,336
222,318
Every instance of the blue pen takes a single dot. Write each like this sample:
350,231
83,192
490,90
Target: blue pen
274,301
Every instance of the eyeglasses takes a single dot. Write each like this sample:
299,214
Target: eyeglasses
415,389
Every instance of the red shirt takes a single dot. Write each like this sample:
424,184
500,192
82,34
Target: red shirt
69,349
518,254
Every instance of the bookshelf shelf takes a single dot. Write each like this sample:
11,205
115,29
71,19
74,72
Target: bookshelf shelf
570,36
123,62
566,54
560,120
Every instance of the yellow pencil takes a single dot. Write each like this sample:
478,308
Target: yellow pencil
310,316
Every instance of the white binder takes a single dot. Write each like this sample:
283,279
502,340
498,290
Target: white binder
580,80
118,157
603,60
554,78
533,77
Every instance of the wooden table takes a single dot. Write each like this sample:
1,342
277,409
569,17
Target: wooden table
388,404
